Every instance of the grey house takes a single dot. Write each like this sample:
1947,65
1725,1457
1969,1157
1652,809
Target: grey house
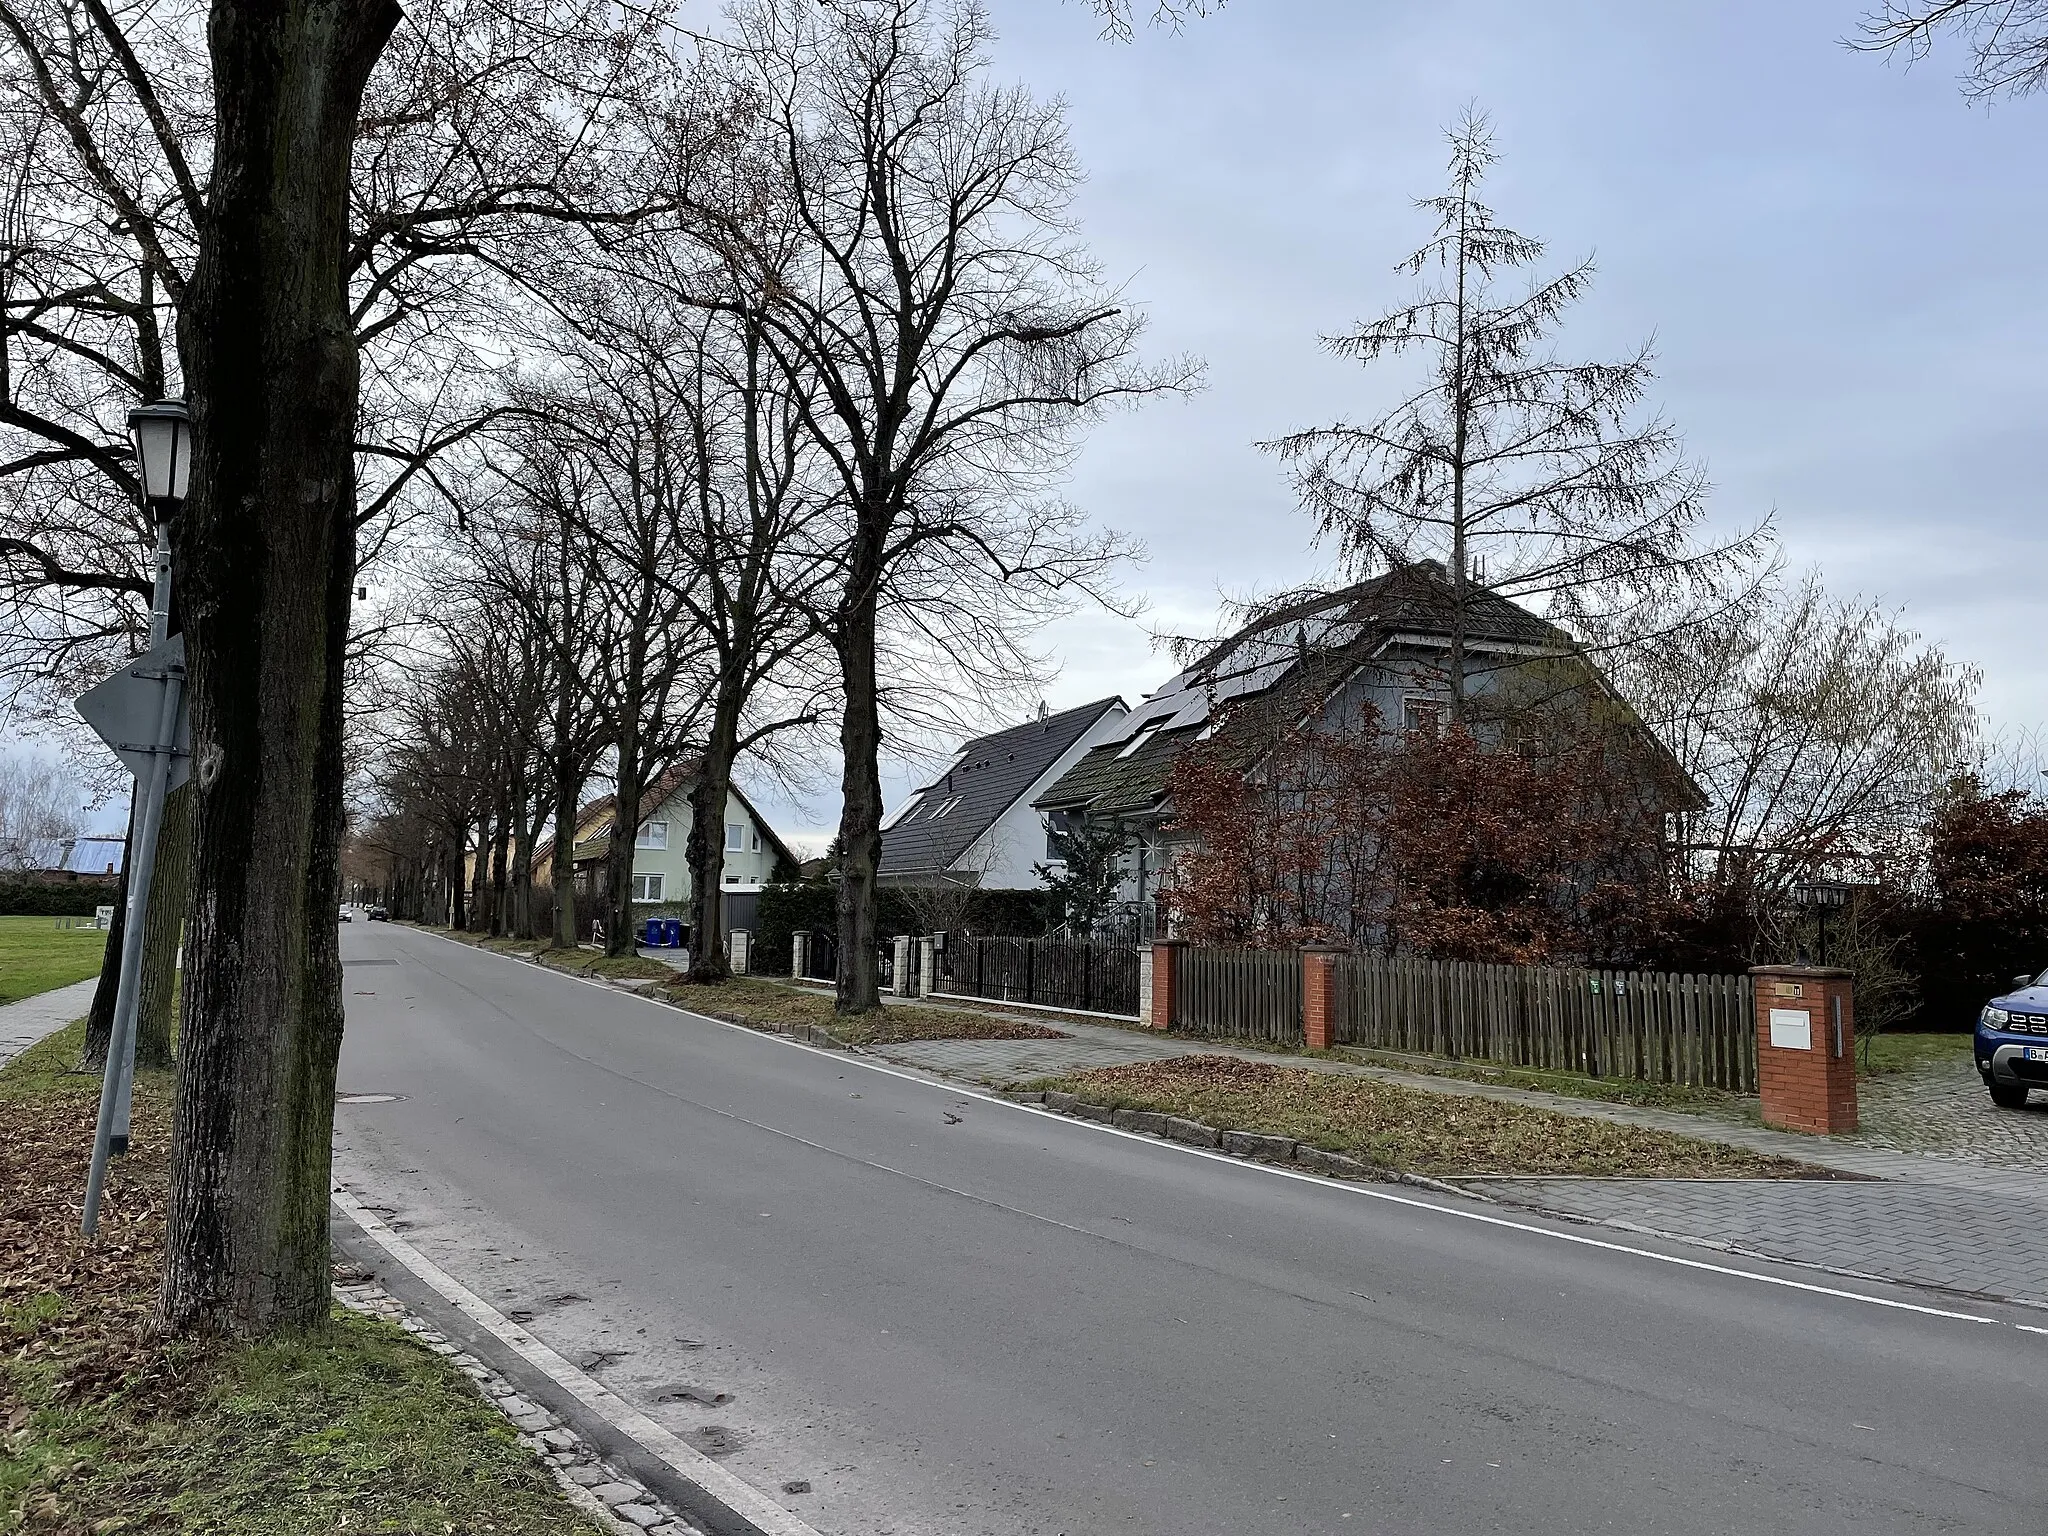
974,824
1379,650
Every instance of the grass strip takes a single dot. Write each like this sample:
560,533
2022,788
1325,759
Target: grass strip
1409,1130
38,956
104,1428
773,1005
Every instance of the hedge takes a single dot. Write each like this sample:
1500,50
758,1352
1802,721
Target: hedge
68,898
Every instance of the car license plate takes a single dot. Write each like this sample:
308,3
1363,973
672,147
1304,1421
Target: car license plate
2037,1053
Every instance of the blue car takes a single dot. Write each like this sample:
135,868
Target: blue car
2012,1042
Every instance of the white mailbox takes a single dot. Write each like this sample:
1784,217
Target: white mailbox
1791,1029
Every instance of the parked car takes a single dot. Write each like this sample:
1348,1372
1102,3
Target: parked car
347,915
2012,1041
377,915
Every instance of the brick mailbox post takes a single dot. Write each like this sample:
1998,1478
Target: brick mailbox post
1159,999
1318,995
1806,1047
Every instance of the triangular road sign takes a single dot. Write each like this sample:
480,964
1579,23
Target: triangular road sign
126,709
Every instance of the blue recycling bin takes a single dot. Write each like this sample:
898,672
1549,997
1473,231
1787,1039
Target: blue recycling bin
672,932
650,933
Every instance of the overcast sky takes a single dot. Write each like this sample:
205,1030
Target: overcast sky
1842,262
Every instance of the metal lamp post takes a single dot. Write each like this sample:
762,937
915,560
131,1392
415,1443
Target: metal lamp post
162,436
1824,896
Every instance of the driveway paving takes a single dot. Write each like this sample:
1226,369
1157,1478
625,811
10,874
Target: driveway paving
1918,1234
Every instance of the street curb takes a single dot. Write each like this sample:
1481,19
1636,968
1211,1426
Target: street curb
559,1448
724,1504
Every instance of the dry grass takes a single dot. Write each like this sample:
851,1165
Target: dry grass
772,1005
105,1428
1409,1129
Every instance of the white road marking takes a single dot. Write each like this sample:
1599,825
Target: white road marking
692,1464
1363,1191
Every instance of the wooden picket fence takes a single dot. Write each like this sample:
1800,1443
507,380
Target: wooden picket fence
1089,975
1650,1026
1248,993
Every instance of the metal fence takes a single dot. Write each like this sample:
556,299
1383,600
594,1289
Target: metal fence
1084,974
1249,993
1651,1026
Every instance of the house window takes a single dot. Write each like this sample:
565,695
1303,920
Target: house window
735,836
653,834
947,808
753,842
647,887
1422,716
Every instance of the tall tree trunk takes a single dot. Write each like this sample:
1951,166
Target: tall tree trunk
501,837
269,555
562,870
860,815
161,932
99,1020
706,847
618,859
479,872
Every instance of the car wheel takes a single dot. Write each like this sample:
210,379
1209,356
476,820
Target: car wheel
2009,1095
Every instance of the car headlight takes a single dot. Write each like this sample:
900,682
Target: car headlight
1995,1016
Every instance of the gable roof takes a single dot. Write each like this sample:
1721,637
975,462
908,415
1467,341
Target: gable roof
1296,654
594,829
989,775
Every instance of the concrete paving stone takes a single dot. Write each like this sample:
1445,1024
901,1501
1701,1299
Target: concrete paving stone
646,1516
588,1476
618,1493
560,1440
24,1023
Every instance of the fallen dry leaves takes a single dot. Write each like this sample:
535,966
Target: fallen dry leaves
1411,1129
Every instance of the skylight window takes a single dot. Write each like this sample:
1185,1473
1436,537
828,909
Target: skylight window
1138,741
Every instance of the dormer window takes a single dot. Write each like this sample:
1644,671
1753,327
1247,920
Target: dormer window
1138,741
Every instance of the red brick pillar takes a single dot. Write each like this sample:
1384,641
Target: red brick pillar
1163,954
1806,1047
1318,995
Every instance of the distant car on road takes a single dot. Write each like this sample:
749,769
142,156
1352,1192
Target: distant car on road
347,916
377,915
2012,1042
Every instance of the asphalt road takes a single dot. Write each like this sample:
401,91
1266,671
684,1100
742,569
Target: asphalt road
956,1316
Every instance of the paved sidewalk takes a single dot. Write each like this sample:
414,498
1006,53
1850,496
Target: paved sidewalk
1953,1239
22,1024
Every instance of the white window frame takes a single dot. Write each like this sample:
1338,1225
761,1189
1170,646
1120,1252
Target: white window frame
735,836
648,888
654,835
1436,708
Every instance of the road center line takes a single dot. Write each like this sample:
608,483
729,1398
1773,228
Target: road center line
1362,1191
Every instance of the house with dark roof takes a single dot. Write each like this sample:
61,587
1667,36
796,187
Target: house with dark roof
974,824
661,868
1377,651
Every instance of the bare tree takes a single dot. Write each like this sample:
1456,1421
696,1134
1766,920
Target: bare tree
917,277
38,811
2007,39
1822,730
1526,475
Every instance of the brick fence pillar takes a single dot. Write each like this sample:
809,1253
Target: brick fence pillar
739,950
799,955
1318,995
927,966
899,966
1806,1047
1164,952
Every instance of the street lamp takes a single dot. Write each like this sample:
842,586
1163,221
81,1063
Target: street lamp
1824,896
162,434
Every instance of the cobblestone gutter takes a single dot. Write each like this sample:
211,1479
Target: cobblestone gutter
614,1500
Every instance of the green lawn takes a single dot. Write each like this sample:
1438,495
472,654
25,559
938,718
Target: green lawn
105,1427
1890,1053
36,955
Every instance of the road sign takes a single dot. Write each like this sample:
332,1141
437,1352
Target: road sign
126,708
